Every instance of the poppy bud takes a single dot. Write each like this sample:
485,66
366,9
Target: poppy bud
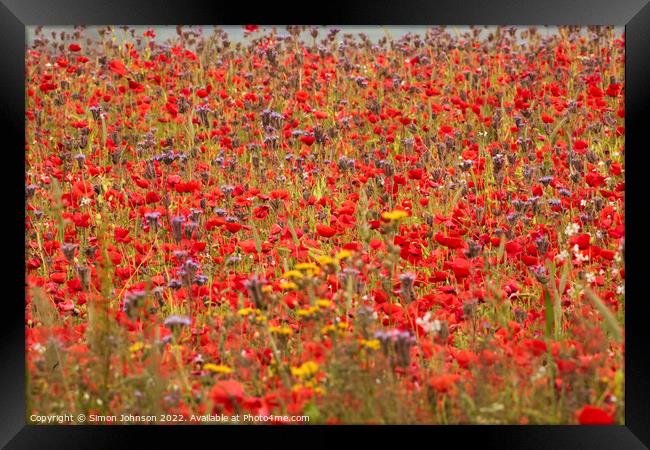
541,274
176,224
473,249
68,251
407,279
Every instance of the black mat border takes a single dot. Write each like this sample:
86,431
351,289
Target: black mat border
634,14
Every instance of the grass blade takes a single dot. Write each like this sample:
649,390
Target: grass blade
610,320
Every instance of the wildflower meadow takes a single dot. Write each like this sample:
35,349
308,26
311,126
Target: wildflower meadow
310,225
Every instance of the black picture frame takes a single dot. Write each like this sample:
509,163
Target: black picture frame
15,15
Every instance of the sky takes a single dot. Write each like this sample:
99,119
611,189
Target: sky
236,33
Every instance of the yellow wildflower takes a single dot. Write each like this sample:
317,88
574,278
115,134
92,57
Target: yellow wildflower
245,311
293,274
343,254
282,330
325,260
372,344
395,214
306,370
323,303
136,347
307,266
217,368
308,312
289,285
327,329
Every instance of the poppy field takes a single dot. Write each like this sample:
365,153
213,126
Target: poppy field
309,223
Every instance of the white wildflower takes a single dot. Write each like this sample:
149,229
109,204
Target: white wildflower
572,229
539,374
427,324
579,256
38,348
493,408
562,256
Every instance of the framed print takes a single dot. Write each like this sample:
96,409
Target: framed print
421,218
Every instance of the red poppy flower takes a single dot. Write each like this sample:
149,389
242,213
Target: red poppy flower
513,247
233,227
58,277
307,139
460,266
325,230
594,179
443,383
117,67
592,415
448,241
228,393
248,246
581,240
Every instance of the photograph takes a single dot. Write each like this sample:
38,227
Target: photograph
325,225
375,222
